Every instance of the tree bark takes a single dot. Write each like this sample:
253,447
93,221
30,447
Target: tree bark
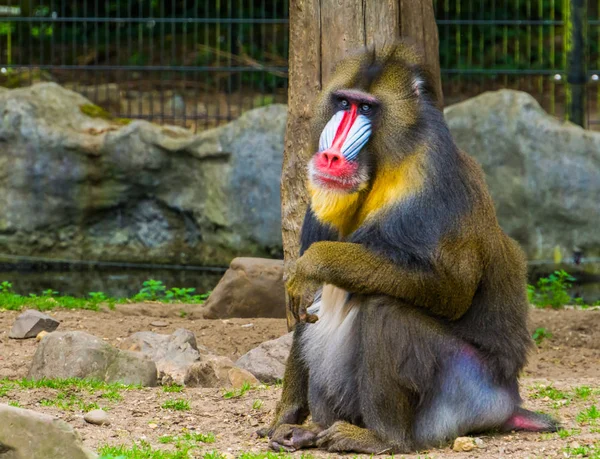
321,33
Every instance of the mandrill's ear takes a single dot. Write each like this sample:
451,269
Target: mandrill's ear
423,86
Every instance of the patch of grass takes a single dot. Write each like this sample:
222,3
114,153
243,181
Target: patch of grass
142,450
542,391
235,393
214,455
173,388
257,404
178,405
112,395
69,402
559,397
14,403
589,416
152,290
89,385
585,392
566,433
272,455
187,439
589,451
540,334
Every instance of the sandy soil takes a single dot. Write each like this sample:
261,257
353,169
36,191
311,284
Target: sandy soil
567,360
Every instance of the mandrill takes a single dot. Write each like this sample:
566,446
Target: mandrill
422,320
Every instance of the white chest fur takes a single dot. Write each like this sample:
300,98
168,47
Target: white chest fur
328,345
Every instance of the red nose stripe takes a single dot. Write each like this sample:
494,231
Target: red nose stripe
344,128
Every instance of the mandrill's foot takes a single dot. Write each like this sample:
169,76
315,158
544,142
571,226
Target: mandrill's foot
292,437
343,436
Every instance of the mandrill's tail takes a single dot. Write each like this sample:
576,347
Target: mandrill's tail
523,419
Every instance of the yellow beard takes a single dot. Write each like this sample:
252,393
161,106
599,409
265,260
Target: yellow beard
335,208
348,211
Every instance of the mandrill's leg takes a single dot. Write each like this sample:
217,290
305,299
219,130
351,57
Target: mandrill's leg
293,406
343,436
291,437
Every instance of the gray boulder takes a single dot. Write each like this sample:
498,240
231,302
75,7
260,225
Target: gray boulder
84,185
76,354
172,354
251,287
267,361
30,323
25,434
543,174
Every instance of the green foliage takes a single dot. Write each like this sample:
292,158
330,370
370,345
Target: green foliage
69,402
178,405
589,416
564,433
257,404
152,290
141,450
273,455
552,290
540,334
589,451
155,290
179,294
236,393
68,391
173,388
188,437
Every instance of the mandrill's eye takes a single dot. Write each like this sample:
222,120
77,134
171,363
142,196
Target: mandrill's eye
344,104
365,109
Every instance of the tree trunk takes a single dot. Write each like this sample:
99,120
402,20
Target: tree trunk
321,33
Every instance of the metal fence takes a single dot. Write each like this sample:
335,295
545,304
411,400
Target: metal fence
198,64
181,62
519,44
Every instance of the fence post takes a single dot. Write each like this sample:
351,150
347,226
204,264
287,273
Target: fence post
575,14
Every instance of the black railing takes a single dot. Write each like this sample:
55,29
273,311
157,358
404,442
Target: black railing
179,62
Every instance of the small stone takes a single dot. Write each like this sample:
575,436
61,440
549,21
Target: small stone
463,444
479,442
40,335
97,417
247,325
152,425
159,323
30,323
574,445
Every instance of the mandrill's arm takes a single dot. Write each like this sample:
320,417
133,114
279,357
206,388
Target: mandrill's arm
446,289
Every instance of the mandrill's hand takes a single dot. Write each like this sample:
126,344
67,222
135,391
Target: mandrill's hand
301,289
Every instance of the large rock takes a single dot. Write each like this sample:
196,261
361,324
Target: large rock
76,354
267,361
25,434
83,185
543,174
30,323
172,354
251,287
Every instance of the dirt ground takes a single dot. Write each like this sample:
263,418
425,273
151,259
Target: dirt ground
568,360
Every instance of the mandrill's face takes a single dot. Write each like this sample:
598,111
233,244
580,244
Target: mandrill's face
340,165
